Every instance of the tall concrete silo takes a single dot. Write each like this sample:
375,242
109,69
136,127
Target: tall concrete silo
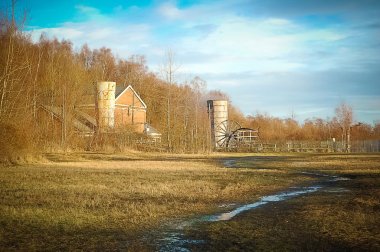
218,113
105,104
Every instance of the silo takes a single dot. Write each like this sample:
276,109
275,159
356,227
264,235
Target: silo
106,104
218,113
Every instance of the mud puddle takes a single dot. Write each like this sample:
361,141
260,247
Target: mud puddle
172,236
262,201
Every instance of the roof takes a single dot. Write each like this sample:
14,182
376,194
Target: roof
90,89
85,126
120,90
150,131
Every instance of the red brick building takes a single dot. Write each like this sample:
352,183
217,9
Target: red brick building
130,109
107,107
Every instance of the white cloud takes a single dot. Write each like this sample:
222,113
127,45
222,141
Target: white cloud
61,32
170,11
123,38
245,45
221,46
278,21
234,43
87,10
101,33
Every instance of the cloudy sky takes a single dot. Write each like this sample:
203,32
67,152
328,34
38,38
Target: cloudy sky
276,57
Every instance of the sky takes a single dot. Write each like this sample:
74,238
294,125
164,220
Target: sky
283,58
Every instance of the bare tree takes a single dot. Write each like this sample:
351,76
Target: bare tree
198,86
14,62
344,117
168,70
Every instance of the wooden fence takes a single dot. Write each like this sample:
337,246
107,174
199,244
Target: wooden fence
314,147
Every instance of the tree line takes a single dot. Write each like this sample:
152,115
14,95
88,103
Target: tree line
51,72
273,129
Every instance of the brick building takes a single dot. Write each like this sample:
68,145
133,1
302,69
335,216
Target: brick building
106,107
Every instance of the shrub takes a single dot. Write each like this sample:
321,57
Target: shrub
15,143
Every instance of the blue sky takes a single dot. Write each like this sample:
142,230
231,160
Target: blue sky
276,57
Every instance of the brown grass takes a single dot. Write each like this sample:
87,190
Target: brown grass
324,221
84,201
96,204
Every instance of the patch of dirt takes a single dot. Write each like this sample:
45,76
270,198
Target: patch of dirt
328,220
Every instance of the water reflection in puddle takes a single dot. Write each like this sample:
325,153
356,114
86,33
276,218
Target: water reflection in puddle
264,200
174,239
336,190
229,163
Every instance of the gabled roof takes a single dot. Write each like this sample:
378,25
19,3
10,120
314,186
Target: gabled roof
120,90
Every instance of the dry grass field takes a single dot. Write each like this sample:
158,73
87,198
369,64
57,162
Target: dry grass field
344,216
106,202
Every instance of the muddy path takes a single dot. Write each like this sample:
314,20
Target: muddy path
174,236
